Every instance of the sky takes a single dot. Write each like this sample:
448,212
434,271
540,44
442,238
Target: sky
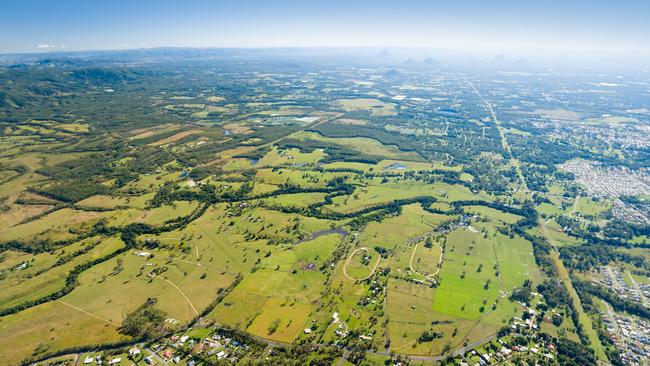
590,25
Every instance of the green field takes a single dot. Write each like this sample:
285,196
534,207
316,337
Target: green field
350,213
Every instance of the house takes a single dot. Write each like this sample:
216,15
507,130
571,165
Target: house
177,359
88,360
167,354
115,361
184,338
335,318
198,348
222,354
134,351
307,331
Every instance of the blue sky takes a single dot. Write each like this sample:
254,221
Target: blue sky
46,25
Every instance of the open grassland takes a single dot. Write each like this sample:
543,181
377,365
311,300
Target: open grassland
280,321
361,144
583,318
175,137
392,166
52,226
424,261
18,289
294,157
548,209
294,177
469,263
32,264
151,131
553,232
289,261
480,268
589,207
374,106
346,301
190,278
122,284
20,213
316,251
273,302
412,222
51,326
493,214
74,127
285,285
102,202
377,193
408,310
296,199
361,263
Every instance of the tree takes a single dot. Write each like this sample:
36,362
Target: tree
144,322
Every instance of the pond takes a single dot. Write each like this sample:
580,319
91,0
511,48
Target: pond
396,166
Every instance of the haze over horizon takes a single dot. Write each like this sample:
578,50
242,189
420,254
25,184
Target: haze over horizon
575,25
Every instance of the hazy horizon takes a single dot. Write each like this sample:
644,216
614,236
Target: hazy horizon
578,26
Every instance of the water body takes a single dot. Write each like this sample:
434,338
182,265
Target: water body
342,232
396,166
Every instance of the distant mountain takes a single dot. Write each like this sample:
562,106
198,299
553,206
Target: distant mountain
430,61
53,62
101,76
410,61
522,63
499,59
384,53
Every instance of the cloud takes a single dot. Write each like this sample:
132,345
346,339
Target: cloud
45,46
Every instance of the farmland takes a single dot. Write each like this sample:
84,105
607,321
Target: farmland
290,209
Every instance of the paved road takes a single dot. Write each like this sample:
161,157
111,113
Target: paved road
156,357
637,287
457,352
502,134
